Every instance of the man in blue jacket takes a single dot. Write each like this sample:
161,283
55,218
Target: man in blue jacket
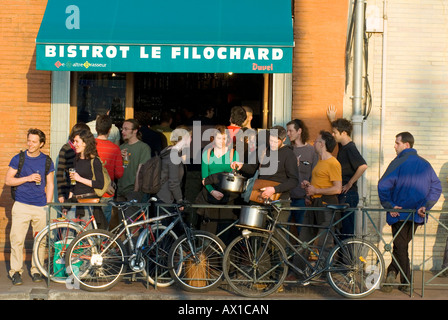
408,183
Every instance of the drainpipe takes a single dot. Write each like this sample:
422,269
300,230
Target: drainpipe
358,59
357,117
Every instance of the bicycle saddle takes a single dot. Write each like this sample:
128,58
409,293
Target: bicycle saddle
337,206
120,204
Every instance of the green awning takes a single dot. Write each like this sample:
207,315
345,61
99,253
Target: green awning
244,36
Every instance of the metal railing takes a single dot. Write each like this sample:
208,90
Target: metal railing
431,281
369,222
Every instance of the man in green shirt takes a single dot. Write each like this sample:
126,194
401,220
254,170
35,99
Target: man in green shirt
138,153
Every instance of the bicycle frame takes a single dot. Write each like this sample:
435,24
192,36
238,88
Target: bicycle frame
86,223
146,223
82,222
310,271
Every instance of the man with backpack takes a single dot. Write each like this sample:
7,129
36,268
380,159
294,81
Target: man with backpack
31,176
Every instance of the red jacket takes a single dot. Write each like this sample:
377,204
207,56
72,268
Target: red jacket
110,154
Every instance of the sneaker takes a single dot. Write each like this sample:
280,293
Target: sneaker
389,280
16,279
37,277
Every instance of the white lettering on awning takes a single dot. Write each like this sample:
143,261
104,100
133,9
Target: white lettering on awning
97,52
158,52
221,53
249,54
85,51
111,52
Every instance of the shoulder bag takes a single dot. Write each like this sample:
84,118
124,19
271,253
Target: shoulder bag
107,188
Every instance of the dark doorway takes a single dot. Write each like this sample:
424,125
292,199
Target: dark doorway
188,95
98,93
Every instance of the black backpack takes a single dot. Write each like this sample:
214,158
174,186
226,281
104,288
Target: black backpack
148,178
19,169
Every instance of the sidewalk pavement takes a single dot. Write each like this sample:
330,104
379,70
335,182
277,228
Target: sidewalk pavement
432,289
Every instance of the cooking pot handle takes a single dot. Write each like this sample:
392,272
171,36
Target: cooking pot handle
231,176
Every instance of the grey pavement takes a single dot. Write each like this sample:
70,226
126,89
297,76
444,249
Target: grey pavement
431,289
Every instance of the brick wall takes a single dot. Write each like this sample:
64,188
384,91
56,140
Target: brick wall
319,61
25,92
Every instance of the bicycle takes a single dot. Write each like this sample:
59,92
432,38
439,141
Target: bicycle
98,259
49,252
156,256
256,263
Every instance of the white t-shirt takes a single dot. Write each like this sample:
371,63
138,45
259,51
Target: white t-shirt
114,134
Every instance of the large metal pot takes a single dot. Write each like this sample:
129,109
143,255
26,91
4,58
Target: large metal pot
232,182
253,216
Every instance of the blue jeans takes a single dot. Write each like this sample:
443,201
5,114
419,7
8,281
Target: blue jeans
107,210
348,224
297,214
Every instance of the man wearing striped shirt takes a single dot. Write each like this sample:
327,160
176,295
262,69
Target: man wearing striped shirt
66,160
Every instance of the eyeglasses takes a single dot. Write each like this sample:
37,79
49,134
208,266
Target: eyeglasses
126,129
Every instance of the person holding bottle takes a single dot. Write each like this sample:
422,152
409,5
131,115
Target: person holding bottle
137,153
66,162
32,192
85,171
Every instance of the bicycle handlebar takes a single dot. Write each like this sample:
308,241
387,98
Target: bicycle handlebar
268,201
182,203
121,204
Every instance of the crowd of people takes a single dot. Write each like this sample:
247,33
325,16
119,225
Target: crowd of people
304,173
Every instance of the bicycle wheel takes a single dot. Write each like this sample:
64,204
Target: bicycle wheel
254,267
95,260
197,266
157,258
49,252
355,268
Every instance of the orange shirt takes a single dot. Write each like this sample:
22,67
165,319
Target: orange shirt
325,173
